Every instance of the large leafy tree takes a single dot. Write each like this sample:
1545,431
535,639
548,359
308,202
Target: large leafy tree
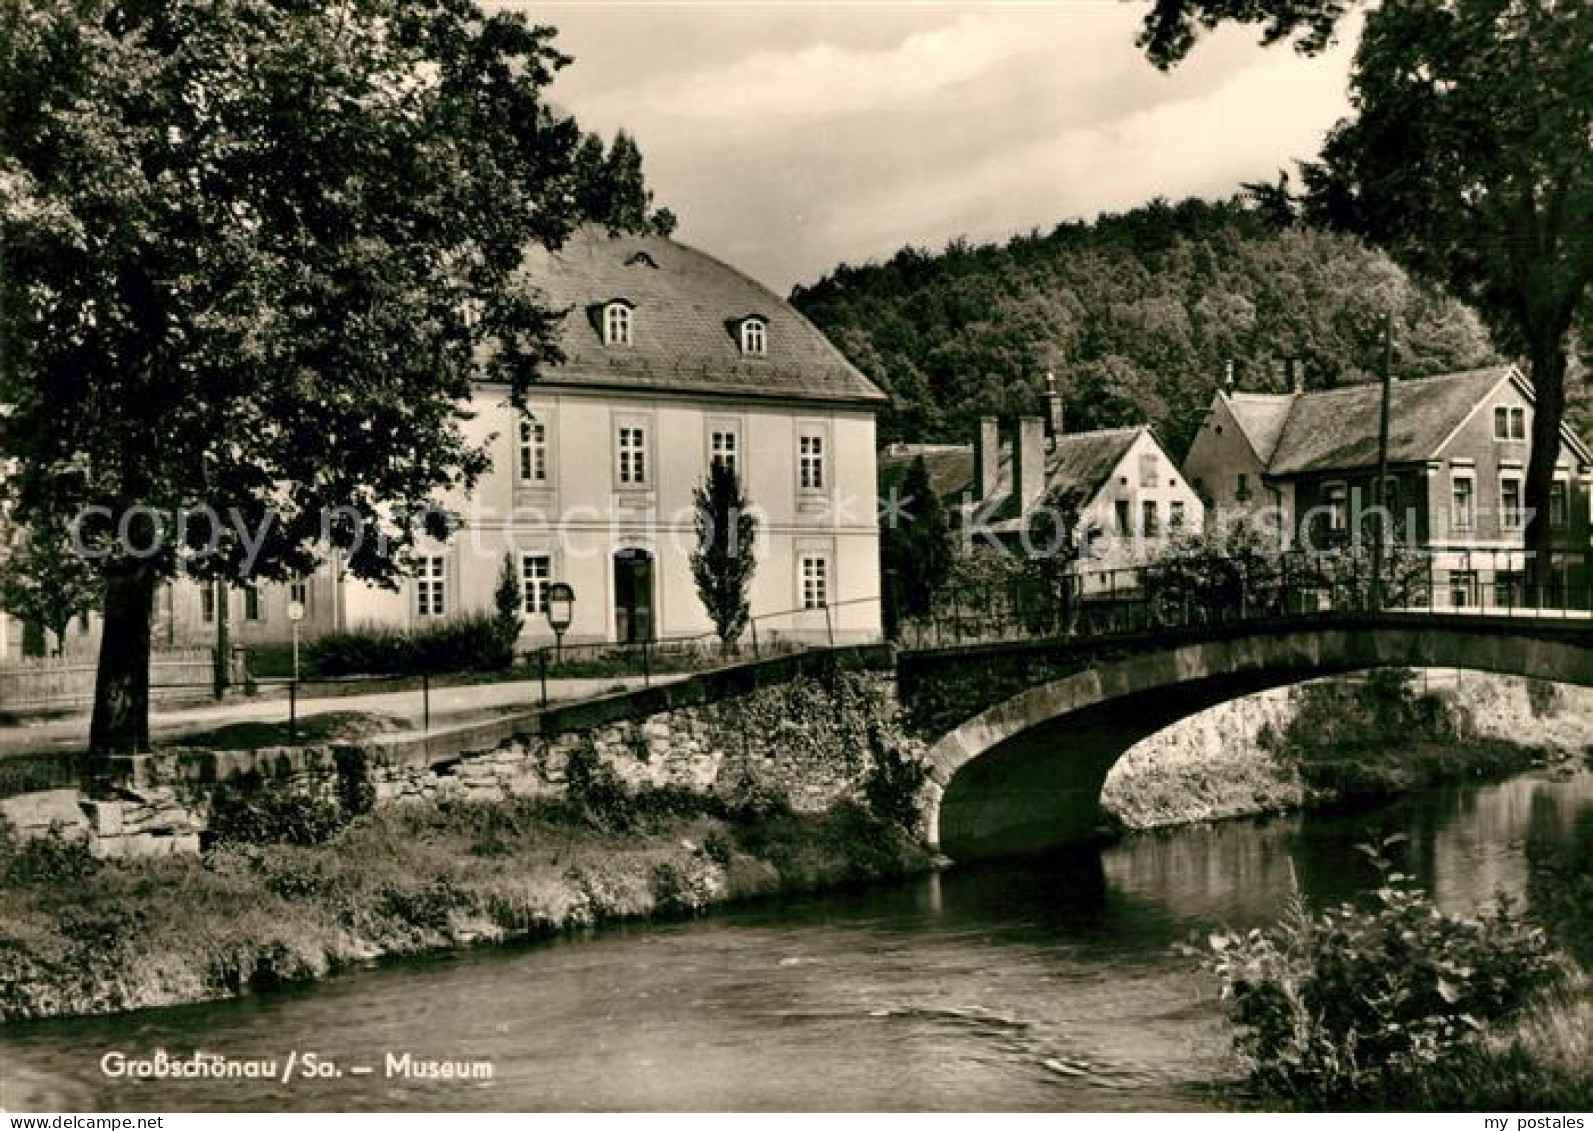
252,255
1469,159
45,582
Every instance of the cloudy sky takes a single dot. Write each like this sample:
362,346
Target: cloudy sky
791,137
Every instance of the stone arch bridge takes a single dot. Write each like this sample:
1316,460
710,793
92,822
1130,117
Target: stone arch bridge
1023,734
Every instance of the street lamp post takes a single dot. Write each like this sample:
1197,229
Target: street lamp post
560,605
295,615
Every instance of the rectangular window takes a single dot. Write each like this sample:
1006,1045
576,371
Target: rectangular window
722,448
207,603
1510,513
1150,518
1175,515
431,586
1125,521
815,581
299,592
1462,588
1242,487
1559,510
1509,422
632,455
617,324
1463,505
533,451
251,602
1508,589
1149,469
536,571
811,466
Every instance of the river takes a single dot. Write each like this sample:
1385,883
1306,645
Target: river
1048,983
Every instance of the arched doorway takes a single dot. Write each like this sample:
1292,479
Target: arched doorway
633,596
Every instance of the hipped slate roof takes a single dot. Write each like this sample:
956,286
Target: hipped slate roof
1082,460
685,324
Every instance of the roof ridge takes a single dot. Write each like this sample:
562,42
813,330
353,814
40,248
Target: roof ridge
1457,375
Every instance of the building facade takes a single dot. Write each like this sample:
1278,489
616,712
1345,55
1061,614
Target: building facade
1131,496
1455,477
671,360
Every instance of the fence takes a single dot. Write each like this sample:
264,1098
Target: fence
67,681
766,635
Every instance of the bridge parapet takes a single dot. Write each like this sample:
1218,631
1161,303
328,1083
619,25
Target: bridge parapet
943,687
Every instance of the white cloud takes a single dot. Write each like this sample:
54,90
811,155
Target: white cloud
824,80
1262,119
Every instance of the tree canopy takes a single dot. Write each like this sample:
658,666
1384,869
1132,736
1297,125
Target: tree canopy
1139,314
252,255
1469,158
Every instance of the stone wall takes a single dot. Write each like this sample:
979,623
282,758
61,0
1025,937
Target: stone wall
806,740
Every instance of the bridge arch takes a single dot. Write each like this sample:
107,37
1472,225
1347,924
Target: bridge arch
1026,773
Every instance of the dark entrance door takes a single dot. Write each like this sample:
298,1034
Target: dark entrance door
633,596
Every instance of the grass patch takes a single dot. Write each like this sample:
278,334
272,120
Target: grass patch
89,936
1373,738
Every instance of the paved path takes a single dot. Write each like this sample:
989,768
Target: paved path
450,706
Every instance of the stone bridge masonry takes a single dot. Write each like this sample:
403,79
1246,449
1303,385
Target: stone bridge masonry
1021,736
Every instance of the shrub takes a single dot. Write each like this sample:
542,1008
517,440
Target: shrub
249,810
596,790
681,889
47,859
1355,1003
465,643
894,781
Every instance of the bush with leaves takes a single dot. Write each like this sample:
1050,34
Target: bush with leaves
1351,1004
471,642
507,607
1201,578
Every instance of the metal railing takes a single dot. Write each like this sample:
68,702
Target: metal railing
766,635
1288,586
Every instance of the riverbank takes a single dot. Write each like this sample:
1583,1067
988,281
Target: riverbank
1340,741
86,936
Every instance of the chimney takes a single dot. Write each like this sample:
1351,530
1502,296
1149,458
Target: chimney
1296,376
1028,462
1053,405
987,458
1227,377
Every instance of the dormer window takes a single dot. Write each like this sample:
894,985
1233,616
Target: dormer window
617,323
754,337
642,258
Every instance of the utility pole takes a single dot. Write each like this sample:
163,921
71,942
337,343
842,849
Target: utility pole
1379,493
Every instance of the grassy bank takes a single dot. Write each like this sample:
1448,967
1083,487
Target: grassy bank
86,936
1374,738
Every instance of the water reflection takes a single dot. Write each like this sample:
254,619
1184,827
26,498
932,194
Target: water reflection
1036,984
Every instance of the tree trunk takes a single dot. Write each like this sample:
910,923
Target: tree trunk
1548,383
121,687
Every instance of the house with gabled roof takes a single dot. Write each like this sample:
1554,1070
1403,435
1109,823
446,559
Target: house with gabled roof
1131,496
1458,445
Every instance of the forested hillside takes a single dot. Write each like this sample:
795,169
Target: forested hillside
1138,315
